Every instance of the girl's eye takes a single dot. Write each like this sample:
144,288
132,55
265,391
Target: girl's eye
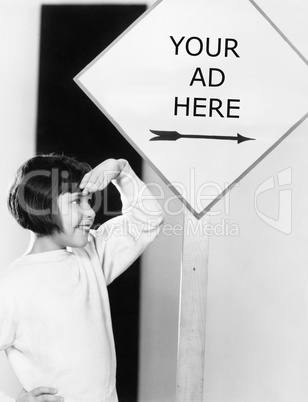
78,201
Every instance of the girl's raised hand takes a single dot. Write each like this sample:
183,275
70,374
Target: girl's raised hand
99,177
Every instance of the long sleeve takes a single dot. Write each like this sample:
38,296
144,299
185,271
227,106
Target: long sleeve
121,240
7,322
7,334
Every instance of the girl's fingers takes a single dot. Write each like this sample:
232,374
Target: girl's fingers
95,185
90,188
99,177
89,179
84,180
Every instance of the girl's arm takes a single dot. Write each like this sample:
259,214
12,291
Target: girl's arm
121,240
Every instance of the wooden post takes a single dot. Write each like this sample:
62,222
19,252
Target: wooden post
191,344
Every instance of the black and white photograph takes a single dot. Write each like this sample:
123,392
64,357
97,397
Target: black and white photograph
154,201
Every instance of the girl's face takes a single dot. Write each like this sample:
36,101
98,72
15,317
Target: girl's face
76,216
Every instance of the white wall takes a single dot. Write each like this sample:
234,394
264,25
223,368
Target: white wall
18,69
257,321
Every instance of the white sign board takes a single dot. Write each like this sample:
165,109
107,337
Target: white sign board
203,90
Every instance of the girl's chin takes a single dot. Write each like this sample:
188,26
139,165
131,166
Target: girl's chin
79,241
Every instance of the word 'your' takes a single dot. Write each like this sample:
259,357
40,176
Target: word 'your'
194,46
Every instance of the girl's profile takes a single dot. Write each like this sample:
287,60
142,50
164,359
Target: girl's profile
55,323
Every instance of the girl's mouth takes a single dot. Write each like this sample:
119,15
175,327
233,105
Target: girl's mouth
85,228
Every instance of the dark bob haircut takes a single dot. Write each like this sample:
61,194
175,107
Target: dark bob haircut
33,196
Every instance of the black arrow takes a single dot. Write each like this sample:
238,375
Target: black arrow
174,135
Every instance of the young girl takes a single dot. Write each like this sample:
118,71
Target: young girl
55,323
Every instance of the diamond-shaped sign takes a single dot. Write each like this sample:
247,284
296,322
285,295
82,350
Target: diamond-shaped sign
203,90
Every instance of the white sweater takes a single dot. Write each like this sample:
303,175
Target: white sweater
55,323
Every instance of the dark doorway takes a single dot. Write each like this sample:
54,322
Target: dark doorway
68,122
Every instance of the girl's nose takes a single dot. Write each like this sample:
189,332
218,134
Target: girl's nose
89,211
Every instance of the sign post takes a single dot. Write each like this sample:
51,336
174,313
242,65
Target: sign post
197,87
191,343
